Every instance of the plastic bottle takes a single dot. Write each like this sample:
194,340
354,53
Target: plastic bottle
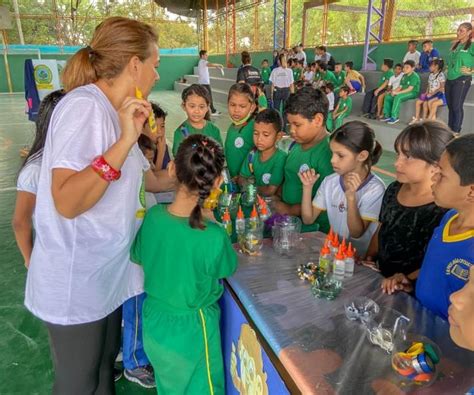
344,246
264,215
240,222
349,268
227,222
253,220
334,245
325,258
339,265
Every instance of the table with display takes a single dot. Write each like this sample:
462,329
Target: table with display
279,339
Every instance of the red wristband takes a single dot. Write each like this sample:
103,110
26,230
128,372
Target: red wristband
104,170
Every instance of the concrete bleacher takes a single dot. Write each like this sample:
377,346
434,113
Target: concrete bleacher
386,134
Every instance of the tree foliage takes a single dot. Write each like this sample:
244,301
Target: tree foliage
71,22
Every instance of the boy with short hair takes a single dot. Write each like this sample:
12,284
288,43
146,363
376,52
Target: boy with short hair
327,75
409,89
412,53
306,111
354,80
340,75
309,73
450,252
265,72
427,56
370,99
393,83
204,78
343,109
266,162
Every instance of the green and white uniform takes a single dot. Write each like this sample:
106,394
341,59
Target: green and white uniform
186,129
318,158
238,143
266,173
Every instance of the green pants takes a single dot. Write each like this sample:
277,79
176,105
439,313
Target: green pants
391,105
333,124
185,350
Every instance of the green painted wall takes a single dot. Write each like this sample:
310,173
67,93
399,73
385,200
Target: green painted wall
395,51
171,69
174,67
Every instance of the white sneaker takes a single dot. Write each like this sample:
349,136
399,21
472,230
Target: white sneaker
414,120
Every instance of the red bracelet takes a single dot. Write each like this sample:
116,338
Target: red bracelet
104,170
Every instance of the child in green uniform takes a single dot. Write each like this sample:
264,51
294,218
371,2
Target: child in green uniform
196,104
183,258
342,110
262,101
265,72
409,89
327,75
239,140
307,112
266,162
340,75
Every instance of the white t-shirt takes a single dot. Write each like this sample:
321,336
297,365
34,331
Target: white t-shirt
394,81
435,80
281,77
80,269
331,197
301,56
415,56
29,176
309,76
330,97
203,72
325,58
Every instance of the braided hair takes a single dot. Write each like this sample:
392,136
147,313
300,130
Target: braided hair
199,161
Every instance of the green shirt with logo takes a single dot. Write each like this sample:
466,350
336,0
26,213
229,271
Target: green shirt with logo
413,80
238,143
269,172
186,129
318,158
459,58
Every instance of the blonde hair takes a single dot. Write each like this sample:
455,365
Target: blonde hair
116,40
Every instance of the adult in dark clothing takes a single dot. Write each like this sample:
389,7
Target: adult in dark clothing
248,73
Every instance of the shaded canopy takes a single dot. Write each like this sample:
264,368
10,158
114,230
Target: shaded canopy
190,8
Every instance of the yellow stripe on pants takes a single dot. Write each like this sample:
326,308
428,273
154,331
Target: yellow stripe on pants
203,322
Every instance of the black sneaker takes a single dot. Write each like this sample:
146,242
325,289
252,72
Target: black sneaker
143,376
117,374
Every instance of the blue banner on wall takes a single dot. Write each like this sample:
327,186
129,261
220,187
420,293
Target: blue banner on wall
248,368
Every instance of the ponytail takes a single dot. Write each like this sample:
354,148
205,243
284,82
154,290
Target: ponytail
115,41
199,162
79,70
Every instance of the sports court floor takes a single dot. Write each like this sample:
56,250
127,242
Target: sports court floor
25,365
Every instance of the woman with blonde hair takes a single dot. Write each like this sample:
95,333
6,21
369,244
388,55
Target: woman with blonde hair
90,202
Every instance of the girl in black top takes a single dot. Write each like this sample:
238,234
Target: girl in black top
409,214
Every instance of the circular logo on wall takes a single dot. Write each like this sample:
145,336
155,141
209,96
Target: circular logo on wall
239,142
304,167
266,178
43,75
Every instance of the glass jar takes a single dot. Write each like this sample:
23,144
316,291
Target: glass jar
286,235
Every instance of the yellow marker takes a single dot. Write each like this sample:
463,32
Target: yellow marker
151,118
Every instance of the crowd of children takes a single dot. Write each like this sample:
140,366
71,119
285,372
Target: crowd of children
326,179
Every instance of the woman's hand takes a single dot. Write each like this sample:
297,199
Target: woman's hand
132,115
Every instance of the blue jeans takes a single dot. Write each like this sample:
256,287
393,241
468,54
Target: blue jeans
133,353
456,92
